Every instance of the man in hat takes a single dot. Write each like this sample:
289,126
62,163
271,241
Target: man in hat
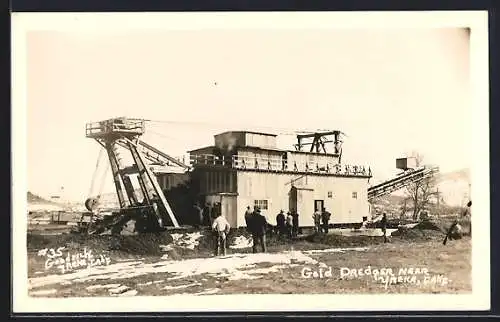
383,226
258,227
325,220
317,220
295,223
198,215
467,214
221,228
248,217
206,215
289,225
280,223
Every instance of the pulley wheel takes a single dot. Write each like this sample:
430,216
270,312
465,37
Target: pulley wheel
91,204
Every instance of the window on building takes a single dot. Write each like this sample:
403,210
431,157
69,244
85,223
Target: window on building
355,195
262,204
330,194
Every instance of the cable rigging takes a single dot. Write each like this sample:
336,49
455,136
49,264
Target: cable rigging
283,130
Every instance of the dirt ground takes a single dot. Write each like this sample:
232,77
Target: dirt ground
414,262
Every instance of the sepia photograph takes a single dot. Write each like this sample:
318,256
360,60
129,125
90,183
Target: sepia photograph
263,161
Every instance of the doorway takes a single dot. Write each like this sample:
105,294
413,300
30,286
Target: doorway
319,205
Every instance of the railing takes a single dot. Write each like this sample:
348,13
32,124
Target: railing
273,164
120,125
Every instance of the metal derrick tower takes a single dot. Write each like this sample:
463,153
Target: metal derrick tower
149,206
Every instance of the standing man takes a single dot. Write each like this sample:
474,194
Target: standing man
206,215
221,228
248,218
295,223
383,226
213,213
325,219
198,215
467,214
289,225
317,220
258,226
280,223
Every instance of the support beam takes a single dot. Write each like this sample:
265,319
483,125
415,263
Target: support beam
110,148
129,188
152,186
130,170
318,141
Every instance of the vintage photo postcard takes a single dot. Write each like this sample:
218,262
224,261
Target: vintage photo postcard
203,162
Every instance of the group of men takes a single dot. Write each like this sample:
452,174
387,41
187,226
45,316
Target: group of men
256,225
321,220
205,216
287,225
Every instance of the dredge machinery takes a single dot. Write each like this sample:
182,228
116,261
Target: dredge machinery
406,178
146,204
139,195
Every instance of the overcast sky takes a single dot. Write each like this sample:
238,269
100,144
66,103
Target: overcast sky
391,91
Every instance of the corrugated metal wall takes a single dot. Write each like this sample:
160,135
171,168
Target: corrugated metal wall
217,180
168,181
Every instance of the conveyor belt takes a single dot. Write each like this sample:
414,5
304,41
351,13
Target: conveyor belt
401,181
155,155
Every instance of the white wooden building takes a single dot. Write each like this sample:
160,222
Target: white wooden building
247,169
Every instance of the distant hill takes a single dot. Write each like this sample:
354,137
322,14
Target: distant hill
33,198
37,203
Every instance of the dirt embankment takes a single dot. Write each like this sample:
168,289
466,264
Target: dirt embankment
425,230
344,241
421,232
201,243
145,244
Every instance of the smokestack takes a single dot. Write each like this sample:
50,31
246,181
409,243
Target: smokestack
231,143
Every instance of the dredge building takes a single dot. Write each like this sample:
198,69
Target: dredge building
245,168
241,169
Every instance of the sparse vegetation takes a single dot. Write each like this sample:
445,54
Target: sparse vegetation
417,247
